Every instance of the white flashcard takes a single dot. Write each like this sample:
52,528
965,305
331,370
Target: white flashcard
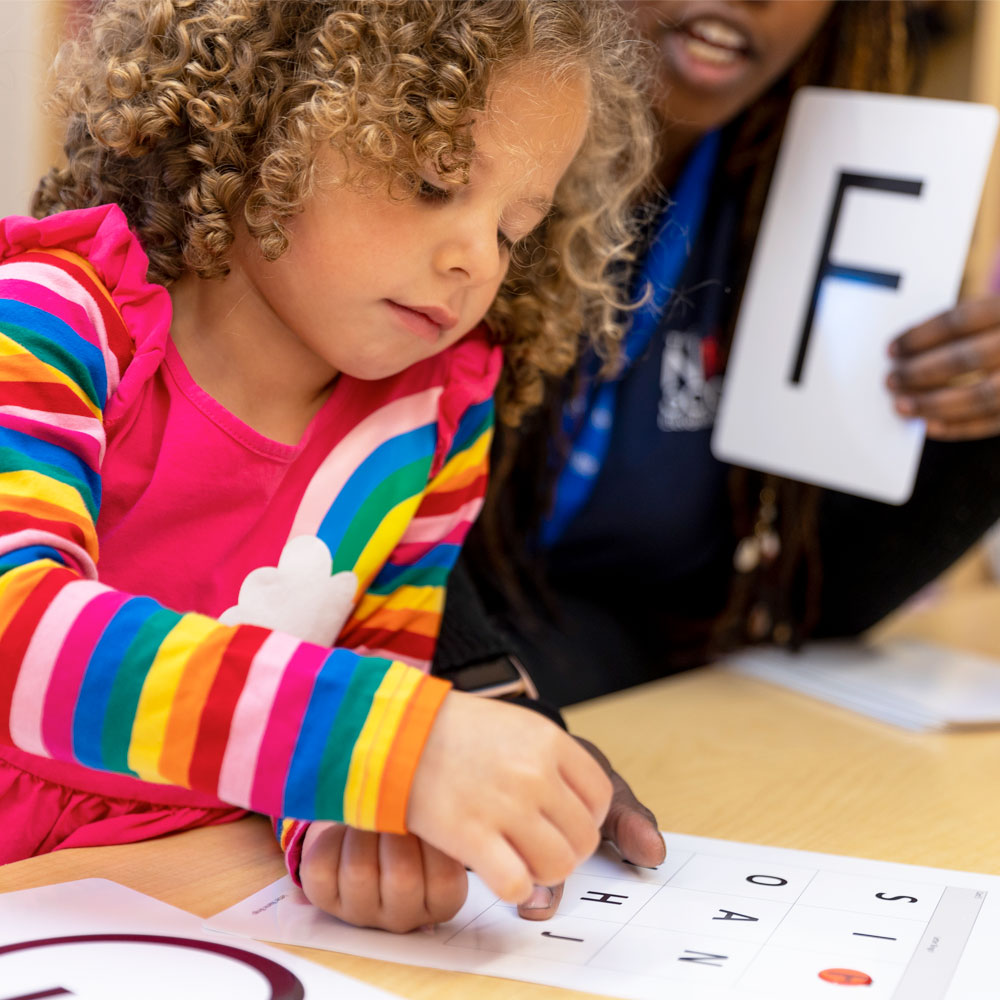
865,234
97,940
718,920
909,682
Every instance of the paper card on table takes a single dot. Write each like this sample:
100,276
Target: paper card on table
97,940
718,920
865,234
908,682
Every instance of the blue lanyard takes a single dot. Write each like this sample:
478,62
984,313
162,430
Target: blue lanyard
589,416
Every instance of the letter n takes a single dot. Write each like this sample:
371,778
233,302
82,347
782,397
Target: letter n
702,957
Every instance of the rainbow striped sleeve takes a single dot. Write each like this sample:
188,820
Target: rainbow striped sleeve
119,682
399,616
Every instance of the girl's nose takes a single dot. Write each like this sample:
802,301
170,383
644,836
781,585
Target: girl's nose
471,253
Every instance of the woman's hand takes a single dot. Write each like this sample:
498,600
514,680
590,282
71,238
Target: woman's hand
386,880
947,371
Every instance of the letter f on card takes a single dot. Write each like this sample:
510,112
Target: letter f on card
826,268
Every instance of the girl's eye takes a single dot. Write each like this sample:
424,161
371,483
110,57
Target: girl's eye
430,192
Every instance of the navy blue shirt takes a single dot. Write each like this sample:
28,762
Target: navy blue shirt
659,508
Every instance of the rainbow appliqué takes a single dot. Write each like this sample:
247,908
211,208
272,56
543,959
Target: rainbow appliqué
120,683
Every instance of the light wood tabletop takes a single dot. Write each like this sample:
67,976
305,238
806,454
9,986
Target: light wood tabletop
713,754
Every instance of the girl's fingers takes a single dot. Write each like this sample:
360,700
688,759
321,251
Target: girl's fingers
401,883
500,865
446,884
973,316
381,880
546,851
572,818
360,887
934,368
588,780
319,870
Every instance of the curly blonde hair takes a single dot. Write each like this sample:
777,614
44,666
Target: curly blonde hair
190,114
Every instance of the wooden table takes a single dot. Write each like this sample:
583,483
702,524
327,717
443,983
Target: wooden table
712,754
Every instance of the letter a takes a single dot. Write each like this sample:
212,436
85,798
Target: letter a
733,915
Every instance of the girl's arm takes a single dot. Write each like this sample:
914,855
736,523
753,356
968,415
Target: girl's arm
120,683
255,717
399,616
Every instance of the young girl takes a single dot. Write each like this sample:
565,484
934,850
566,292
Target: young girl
246,408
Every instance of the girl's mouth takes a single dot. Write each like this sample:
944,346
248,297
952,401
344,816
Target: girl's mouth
416,321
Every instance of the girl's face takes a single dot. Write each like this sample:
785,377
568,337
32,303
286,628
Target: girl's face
370,285
716,57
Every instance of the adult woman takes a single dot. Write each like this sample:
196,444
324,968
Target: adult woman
655,556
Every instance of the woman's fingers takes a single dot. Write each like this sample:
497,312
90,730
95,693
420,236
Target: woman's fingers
978,399
947,371
967,318
965,430
542,903
936,367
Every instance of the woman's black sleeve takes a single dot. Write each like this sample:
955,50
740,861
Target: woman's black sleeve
875,555
469,636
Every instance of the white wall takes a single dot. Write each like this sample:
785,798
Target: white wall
26,32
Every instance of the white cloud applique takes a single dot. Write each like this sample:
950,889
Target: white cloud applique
298,596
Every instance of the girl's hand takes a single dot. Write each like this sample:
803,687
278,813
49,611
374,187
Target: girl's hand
508,793
947,371
384,880
629,825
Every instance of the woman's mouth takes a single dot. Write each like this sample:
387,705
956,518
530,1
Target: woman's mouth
715,41
708,51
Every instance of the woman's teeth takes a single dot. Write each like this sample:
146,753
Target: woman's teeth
715,41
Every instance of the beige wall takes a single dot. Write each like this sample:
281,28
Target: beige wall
967,67
985,87
29,31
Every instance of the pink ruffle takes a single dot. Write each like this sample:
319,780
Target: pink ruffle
473,370
101,236
42,816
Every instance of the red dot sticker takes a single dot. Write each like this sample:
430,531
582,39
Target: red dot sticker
846,977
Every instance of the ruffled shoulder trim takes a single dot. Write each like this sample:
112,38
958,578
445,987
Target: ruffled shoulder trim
101,236
473,368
